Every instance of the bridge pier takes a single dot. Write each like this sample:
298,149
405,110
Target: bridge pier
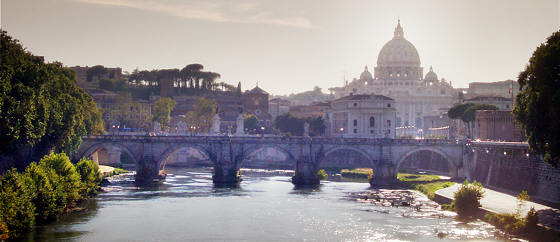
384,174
147,171
305,174
226,174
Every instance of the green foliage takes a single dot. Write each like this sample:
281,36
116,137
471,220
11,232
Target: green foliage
95,72
115,85
250,122
427,184
3,230
467,111
44,197
537,108
43,192
162,110
522,198
359,173
322,175
41,107
201,118
128,113
467,199
90,176
16,207
289,124
66,179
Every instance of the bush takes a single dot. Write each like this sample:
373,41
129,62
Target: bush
360,173
44,196
66,179
90,176
322,174
16,207
3,230
467,199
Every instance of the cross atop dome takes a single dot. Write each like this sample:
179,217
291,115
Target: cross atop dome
399,33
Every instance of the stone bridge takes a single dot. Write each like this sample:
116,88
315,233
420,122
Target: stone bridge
307,155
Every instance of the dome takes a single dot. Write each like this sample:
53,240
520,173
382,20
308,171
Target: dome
366,75
398,51
431,76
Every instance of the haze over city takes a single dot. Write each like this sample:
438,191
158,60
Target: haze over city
285,46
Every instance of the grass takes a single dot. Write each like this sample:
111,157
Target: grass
358,173
427,184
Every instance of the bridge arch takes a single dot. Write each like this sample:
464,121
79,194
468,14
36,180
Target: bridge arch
352,150
445,156
165,155
105,145
254,148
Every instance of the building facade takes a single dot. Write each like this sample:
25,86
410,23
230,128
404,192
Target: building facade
362,115
399,75
496,125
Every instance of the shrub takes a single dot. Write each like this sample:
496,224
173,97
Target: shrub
16,208
322,174
531,221
360,173
467,199
90,176
44,194
3,230
65,179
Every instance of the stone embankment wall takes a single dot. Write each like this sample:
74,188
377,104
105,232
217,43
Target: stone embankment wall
511,167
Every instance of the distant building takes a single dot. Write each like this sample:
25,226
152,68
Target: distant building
506,89
502,103
277,106
496,125
436,126
399,75
255,101
316,109
361,116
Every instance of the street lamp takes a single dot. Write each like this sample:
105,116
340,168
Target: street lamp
341,132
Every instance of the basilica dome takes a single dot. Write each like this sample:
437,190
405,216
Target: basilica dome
431,76
398,51
366,75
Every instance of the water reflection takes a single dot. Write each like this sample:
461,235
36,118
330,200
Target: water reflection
187,206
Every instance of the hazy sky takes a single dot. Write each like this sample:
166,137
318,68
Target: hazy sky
287,46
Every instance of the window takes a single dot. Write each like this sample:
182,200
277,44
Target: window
388,123
355,122
355,104
355,131
388,105
371,122
371,131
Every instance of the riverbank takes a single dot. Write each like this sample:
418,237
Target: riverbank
494,202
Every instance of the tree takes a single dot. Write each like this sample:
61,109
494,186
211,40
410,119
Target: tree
128,113
467,113
16,207
250,122
41,107
466,199
95,72
200,119
162,110
537,108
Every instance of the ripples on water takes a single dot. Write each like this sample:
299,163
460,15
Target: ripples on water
187,206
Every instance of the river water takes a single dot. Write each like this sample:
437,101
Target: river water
188,207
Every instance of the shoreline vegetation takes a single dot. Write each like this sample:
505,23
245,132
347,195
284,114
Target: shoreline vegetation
44,191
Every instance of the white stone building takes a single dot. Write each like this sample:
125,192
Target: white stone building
399,75
371,116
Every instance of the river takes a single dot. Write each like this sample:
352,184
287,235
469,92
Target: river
188,207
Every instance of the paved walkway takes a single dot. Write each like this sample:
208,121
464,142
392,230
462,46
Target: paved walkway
498,202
